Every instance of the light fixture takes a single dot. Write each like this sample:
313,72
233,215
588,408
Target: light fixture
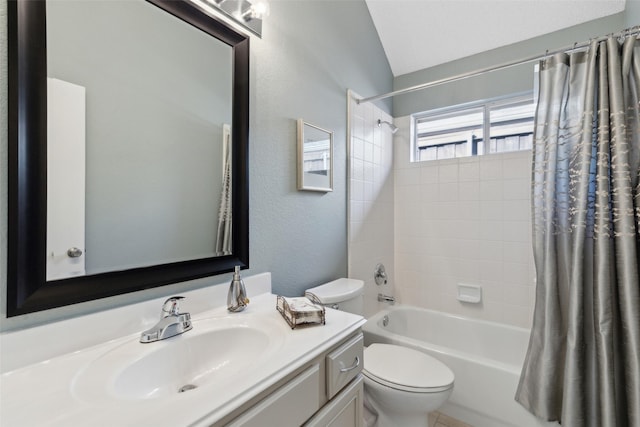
258,10
248,14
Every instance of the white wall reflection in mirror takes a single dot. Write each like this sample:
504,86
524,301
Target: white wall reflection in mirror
155,113
315,158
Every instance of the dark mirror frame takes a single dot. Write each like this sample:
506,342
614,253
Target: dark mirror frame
27,288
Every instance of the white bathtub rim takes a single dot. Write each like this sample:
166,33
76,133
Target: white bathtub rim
399,307
373,328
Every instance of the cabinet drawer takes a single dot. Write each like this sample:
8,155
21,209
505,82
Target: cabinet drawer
289,406
344,364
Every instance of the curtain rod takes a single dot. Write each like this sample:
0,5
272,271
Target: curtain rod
632,31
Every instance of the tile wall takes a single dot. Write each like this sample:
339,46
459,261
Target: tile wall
464,221
438,224
371,200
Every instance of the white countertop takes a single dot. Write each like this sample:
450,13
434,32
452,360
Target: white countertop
45,393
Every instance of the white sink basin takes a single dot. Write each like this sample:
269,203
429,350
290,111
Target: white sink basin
214,352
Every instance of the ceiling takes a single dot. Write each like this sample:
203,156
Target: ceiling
417,34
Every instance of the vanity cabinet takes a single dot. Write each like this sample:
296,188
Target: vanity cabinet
327,391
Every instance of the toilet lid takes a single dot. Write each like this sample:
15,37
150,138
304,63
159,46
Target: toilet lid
337,291
406,369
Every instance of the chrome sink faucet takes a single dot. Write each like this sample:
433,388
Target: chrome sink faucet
171,323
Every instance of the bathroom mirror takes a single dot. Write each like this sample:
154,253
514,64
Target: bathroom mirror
135,176
315,158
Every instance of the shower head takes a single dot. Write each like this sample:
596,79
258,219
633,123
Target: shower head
393,128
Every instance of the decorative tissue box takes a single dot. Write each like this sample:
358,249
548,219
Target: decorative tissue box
300,310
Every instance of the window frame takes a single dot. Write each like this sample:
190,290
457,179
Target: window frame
486,105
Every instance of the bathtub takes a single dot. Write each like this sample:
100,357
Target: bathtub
486,358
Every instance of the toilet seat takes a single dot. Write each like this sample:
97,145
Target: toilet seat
406,369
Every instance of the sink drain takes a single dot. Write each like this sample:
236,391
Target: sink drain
186,388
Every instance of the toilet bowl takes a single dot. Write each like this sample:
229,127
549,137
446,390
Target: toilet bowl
401,385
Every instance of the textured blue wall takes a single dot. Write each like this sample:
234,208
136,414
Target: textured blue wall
310,54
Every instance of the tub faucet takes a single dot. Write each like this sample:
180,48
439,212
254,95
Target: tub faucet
386,298
171,323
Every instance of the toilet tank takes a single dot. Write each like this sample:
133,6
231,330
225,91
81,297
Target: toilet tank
342,294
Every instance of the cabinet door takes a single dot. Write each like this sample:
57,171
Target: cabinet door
289,406
345,410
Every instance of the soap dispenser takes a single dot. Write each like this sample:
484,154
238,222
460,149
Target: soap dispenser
237,297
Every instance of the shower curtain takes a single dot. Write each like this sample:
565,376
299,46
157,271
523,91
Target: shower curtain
583,363
223,238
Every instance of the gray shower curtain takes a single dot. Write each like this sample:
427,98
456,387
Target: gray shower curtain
583,363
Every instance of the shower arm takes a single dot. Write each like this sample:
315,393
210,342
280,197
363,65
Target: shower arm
391,126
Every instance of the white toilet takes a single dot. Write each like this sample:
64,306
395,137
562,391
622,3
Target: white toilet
401,385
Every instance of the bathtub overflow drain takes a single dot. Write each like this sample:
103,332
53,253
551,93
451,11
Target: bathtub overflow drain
186,388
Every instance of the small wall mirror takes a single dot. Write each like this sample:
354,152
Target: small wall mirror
315,158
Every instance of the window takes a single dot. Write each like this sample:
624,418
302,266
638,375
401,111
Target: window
459,131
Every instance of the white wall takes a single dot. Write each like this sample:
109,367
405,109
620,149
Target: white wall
464,221
370,200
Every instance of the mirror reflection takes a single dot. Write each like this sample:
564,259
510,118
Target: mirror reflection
139,138
134,168
315,158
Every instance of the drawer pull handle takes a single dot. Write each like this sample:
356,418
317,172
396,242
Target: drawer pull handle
351,368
